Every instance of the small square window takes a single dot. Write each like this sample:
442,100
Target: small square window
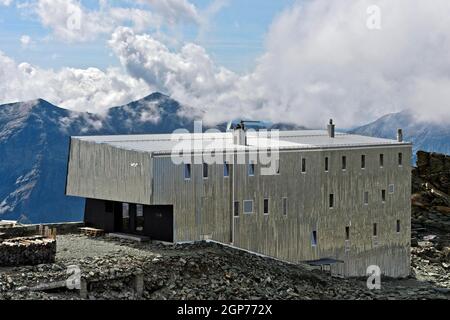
344,163
226,169
205,170
331,201
363,161
266,206
285,206
187,171
248,206
314,238
303,165
381,160
251,169
236,208
366,198
391,188
383,195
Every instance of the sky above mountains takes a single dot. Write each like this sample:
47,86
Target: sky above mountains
297,61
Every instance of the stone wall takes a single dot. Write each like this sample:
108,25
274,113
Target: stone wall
432,163
33,229
27,251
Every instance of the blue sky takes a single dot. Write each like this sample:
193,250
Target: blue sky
303,61
234,38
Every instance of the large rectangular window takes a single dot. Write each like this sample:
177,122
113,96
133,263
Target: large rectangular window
326,164
381,160
226,169
248,206
363,161
314,238
344,163
266,206
331,201
205,170
187,171
400,159
236,208
303,165
251,169
285,206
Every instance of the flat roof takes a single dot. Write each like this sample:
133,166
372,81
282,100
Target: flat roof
223,141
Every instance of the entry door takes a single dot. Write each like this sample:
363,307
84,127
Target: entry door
158,222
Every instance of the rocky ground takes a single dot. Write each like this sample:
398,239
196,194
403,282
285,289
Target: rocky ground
211,271
194,271
430,219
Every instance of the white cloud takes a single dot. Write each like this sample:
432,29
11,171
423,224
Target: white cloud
25,40
5,2
77,89
175,11
70,21
189,75
321,61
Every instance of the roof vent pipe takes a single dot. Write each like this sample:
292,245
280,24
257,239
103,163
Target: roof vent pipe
239,134
400,135
331,129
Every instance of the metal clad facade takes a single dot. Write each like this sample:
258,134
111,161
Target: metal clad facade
100,171
202,207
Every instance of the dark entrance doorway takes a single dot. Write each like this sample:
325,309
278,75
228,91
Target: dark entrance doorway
155,222
158,222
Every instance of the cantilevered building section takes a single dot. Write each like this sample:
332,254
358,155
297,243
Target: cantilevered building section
329,197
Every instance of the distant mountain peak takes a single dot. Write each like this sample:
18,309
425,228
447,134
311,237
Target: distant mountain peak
156,96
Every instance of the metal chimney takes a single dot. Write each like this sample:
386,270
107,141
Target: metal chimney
400,135
239,134
331,129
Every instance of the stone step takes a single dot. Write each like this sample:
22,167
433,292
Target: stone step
126,236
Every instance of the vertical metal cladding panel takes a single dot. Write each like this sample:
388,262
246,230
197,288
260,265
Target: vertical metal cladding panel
289,237
202,207
100,171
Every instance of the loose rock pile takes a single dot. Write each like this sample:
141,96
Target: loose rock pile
430,219
210,271
203,271
27,251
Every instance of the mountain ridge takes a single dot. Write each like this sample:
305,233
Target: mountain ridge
34,142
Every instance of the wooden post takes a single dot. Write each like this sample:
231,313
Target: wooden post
83,289
139,284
